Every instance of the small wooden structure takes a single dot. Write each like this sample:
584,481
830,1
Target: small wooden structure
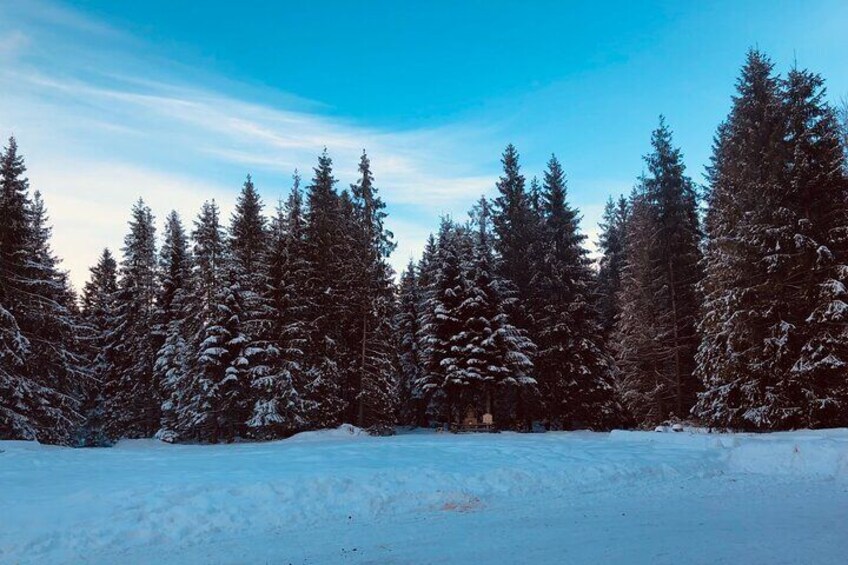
471,424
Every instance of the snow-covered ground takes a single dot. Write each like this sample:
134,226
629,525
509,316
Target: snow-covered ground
342,497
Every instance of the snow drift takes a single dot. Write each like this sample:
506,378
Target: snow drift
69,504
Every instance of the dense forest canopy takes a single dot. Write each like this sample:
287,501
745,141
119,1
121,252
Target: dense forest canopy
725,304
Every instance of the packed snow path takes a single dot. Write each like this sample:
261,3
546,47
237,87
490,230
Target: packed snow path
329,497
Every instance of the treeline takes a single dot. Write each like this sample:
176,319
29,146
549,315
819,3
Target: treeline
254,331
727,306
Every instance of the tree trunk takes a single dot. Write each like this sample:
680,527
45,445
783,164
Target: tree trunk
360,418
675,329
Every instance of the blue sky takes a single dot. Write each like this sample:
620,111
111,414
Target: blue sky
178,101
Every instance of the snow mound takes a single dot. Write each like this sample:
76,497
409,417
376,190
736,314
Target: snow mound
797,456
803,453
345,431
689,438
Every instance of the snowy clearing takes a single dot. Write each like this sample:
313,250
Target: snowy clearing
339,496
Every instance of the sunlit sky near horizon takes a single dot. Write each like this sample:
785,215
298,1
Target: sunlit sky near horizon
177,101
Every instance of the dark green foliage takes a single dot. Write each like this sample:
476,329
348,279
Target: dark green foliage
495,355
772,353
574,372
657,331
279,407
43,370
448,292
248,236
612,244
297,323
324,246
412,403
514,225
173,301
222,369
98,311
131,395
195,398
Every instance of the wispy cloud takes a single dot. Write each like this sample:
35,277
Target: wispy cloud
97,137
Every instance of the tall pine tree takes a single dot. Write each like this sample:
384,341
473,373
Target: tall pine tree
773,329
42,371
611,244
411,401
373,244
514,227
278,409
132,404
323,245
495,354
444,380
661,289
98,311
821,192
574,372
196,391
174,291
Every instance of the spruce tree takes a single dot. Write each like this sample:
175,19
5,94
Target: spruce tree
131,396
495,354
514,227
171,362
196,393
635,338
248,243
677,262
248,236
42,371
224,362
411,401
98,292
209,260
536,201
821,240
98,312
574,372
279,407
20,396
445,376
174,268
349,287
611,244
430,397
743,334
54,328
661,289
323,241
772,334
376,394
15,227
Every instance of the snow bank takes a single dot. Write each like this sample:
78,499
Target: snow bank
68,503
343,432
693,439
799,456
804,453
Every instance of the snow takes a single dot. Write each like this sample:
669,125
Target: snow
341,495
